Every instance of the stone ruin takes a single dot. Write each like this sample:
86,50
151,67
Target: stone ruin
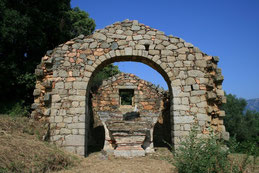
128,108
65,74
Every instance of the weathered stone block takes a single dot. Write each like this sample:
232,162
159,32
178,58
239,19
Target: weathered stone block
36,92
176,82
137,37
128,51
222,113
154,52
161,37
167,53
74,140
195,73
181,107
129,153
183,120
200,92
79,110
76,126
99,36
225,135
76,45
55,98
203,117
211,95
80,85
188,44
201,63
59,85
182,50
202,104
198,56
80,151
135,28
220,92
190,81
185,101
171,47
65,131
58,119
76,98
68,119
140,47
62,73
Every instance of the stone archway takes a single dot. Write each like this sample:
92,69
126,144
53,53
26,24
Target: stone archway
135,58
64,74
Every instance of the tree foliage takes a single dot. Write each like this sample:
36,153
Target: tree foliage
27,30
80,22
241,124
106,72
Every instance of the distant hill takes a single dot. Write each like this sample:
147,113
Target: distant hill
253,104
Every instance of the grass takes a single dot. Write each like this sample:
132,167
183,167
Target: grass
22,150
99,162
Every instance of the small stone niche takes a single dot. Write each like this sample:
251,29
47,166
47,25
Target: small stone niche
126,97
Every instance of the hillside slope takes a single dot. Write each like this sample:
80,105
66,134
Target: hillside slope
253,104
21,149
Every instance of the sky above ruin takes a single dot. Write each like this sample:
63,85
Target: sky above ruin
228,29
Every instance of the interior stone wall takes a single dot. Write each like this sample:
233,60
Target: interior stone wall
65,73
147,97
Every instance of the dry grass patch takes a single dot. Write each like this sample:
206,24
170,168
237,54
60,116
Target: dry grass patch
21,149
100,162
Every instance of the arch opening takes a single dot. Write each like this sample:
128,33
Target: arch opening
139,59
161,126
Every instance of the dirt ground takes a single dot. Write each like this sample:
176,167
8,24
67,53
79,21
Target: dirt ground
158,162
99,162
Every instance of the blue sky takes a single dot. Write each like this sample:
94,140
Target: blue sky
225,28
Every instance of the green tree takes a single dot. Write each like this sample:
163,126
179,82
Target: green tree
80,22
27,30
244,126
104,73
233,120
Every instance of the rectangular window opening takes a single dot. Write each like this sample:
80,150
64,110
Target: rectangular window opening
126,96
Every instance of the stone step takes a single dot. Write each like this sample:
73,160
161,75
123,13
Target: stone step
121,134
129,153
129,148
133,141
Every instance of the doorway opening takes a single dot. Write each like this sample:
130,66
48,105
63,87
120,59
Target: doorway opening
97,135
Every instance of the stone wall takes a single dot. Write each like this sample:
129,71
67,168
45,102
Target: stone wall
147,97
65,73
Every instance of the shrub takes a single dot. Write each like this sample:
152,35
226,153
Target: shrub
244,147
206,154
14,109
